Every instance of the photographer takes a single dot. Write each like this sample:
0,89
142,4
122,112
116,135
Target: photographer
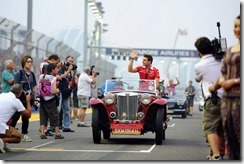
207,71
64,86
84,93
230,103
11,104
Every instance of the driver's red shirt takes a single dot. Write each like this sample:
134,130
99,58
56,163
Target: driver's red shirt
145,73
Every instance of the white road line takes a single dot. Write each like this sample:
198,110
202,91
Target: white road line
171,126
149,150
34,148
90,151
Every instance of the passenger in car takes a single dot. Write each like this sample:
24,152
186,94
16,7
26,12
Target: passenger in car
146,71
171,86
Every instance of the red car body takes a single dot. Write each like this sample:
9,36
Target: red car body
129,110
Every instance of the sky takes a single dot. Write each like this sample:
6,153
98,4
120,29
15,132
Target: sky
134,23
145,24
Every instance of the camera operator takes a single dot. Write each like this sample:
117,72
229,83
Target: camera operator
10,104
84,93
231,103
64,86
207,71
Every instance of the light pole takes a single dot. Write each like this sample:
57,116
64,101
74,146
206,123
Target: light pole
179,32
29,23
85,34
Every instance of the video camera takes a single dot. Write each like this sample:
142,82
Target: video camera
67,64
91,71
219,45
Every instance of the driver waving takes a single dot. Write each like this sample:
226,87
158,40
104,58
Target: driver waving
146,71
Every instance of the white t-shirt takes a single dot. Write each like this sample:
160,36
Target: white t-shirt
208,70
9,105
84,85
41,67
50,79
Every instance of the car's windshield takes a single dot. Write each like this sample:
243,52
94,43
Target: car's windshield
128,85
179,94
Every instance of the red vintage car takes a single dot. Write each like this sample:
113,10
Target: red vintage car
129,107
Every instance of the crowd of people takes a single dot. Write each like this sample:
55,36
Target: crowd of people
220,81
61,89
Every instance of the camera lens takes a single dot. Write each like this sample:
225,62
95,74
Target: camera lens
74,67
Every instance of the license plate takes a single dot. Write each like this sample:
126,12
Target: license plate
170,111
126,131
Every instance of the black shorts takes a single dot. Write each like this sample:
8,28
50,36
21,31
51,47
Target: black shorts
49,110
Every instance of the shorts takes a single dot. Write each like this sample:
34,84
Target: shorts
211,119
190,101
49,112
83,101
75,103
11,133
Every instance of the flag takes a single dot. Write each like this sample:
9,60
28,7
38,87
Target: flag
182,32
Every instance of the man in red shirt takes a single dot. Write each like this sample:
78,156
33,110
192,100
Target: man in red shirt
146,71
171,86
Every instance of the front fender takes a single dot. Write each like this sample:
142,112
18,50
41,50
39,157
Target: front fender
157,104
96,101
159,101
98,104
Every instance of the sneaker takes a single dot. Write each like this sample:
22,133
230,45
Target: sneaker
59,136
6,148
82,125
43,137
216,158
68,130
1,146
26,138
48,133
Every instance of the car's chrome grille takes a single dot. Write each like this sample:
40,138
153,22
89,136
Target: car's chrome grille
127,105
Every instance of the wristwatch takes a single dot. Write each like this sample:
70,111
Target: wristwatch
132,58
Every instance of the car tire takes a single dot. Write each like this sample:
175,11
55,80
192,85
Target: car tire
160,132
96,131
106,134
184,115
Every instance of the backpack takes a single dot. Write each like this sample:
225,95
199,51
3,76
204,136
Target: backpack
45,87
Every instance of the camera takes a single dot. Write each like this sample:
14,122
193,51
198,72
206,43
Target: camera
67,64
219,45
36,103
91,71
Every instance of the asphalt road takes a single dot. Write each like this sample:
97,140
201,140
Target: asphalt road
184,142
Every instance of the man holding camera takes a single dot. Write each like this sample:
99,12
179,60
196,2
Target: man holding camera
64,86
84,93
10,104
207,71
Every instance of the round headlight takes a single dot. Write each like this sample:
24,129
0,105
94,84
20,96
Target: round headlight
145,98
109,98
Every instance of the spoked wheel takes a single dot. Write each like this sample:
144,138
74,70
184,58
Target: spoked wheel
160,132
96,131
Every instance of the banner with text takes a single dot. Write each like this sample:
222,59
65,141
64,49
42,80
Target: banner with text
153,52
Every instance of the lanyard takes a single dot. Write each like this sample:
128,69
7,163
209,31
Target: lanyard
28,80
